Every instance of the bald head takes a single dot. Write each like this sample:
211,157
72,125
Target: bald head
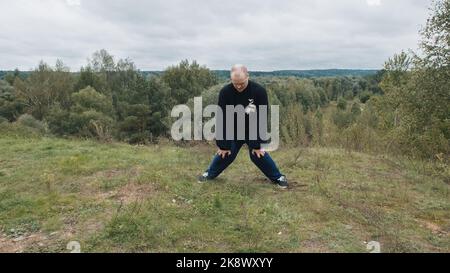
239,77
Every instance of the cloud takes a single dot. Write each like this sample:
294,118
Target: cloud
73,2
374,2
265,35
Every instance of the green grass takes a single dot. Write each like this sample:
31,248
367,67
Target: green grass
122,198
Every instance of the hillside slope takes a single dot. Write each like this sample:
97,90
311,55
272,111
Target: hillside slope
117,197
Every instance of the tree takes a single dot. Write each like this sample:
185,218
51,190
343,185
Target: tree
88,77
416,105
188,80
435,42
11,77
89,116
10,107
102,61
44,88
89,99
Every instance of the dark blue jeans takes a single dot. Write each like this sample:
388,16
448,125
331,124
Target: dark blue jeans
265,163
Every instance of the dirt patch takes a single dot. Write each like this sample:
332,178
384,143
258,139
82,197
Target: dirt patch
434,228
295,185
312,246
91,185
22,243
133,192
130,173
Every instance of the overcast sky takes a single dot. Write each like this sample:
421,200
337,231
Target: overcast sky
265,35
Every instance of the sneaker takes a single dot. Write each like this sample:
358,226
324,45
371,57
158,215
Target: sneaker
282,182
203,178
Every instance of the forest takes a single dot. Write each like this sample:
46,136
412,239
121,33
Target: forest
402,109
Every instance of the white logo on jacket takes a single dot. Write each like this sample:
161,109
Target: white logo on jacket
251,107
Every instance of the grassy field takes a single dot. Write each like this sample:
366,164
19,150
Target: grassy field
122,198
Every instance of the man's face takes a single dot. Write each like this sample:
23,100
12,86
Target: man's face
240,84
239,77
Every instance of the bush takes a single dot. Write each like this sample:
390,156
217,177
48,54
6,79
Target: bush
296,127
29,121
342,119
14,129
341,103
89,99
360,137
59,122
364,96
92,124
356,109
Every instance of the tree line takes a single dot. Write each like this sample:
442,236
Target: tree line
110,99
106,99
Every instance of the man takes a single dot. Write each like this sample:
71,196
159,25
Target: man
250,95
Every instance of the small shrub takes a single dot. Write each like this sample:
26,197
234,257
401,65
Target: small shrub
15,129
342,119
341,103
29,121
356,109
364,96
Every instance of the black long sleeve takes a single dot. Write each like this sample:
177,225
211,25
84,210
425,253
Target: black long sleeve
261,99
221,140
255,94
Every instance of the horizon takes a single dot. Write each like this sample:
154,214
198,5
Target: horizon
257,71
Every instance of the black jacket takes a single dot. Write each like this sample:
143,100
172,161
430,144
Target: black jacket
255,94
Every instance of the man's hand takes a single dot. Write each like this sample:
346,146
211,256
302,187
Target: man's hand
259,153
223,153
